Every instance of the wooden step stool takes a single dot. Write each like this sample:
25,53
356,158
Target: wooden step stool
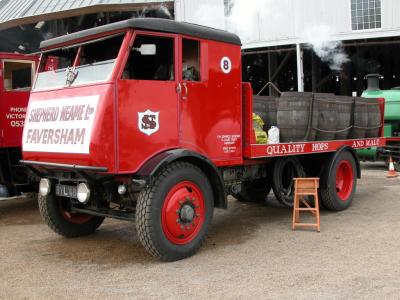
305,187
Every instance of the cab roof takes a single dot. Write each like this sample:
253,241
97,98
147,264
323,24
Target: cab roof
151,24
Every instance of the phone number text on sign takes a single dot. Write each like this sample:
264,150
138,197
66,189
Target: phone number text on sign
60,125
16,116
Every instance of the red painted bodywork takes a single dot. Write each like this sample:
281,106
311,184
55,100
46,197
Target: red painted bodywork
204,122
12,105
197,123
205,117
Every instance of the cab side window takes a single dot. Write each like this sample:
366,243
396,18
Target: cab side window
17,76
191,60
151,58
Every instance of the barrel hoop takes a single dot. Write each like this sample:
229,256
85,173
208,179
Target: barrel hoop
334,101
374,127
333,131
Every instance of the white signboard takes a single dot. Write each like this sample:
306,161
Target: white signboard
60,125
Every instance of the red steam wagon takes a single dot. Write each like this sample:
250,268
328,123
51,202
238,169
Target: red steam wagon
16,77
148,120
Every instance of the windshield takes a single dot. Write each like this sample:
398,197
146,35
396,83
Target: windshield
80,64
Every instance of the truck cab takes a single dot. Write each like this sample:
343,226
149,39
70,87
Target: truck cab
137,82
120,103
16,78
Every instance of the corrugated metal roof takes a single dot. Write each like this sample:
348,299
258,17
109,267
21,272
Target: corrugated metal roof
12,11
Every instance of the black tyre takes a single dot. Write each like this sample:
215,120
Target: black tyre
285,169
254,191
55,212
173,214
339,182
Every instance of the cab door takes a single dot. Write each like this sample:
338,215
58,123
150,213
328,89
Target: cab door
210,99
148,100
16,77
193,95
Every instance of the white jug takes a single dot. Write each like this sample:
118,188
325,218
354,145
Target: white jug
273,135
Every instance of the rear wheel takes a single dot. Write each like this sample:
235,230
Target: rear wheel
285,169
173,214
340,183
254,191
55,211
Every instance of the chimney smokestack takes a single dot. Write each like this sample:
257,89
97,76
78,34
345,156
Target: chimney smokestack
373,82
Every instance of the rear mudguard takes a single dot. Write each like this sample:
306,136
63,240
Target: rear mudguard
150,169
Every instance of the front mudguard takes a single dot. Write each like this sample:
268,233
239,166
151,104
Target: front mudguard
153,166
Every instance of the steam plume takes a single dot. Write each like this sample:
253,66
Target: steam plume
161,10
248,18
245,17
330,52
164,9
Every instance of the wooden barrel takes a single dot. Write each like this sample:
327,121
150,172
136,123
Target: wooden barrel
360,119
374,118
325,114
266,107
344,116
293,117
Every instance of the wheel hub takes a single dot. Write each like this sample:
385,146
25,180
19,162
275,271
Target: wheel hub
183,213
75,218
344,180
187,213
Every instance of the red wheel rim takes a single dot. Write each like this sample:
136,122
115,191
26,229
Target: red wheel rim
344,180
184,200
75,218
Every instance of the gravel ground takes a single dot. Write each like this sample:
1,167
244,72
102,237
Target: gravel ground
250,252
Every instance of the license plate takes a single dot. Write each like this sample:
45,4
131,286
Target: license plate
69,191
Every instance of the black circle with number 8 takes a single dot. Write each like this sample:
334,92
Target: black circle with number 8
226,65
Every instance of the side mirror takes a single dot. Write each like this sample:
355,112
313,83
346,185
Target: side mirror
147,49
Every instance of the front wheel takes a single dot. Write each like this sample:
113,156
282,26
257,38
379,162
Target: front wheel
55,211
340,182
174,213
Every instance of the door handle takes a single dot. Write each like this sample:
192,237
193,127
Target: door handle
185,96
179,88
182,89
